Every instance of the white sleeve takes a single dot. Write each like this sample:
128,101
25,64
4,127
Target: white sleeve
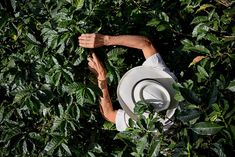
122,120
156,61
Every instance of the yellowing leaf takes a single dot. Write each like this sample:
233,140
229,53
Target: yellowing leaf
204,7
196,60
14,37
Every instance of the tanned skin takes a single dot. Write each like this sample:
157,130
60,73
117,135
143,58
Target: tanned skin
98,40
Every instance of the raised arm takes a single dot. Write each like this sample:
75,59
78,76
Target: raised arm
133,41
106,106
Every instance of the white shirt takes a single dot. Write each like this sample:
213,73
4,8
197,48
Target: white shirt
122,118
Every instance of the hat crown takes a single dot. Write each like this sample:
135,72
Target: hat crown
153,93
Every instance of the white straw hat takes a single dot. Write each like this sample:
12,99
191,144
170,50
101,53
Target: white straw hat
148,84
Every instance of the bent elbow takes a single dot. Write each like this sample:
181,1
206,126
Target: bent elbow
147,43
148,48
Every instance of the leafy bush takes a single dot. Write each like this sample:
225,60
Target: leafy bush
48,98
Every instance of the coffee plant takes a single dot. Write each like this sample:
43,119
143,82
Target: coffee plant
49,99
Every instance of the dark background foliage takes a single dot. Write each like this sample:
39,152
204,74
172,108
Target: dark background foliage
48,97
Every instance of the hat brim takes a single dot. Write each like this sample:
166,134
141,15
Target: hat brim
135,75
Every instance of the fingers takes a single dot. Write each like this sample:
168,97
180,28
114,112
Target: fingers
87,40
91,62
96,66
95,58
91,40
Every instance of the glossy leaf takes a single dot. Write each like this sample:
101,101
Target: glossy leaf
206,128
48,96
66,148
53,144
202,71
154,147
188,115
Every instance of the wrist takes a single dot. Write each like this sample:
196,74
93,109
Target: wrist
107,40
101,77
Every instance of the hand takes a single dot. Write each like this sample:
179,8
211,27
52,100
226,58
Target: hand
96,67
92,40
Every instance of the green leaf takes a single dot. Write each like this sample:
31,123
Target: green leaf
53,144
200,49
218,149
179,97
22,94
140,107
154,147
1,113
187,43
161,28
232,129
55,60
142,143
199,29
202,71
199,19
66,148
164,16
204,7
57,122
190,96
231,113
32,38
85,95
76,3
61,48
25,149
56,78
207,128
68,75
154,22
213,95
231,86
13,5
232,56
108,126
188,115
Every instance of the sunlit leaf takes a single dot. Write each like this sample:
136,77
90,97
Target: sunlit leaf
13,4
32,38
154,147
57,122
56,78
202,71
204,7
77,3
68,75
53,144
141,144
66,148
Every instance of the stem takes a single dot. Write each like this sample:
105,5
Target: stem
226,125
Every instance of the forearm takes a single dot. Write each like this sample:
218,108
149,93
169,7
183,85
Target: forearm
133,41
106,106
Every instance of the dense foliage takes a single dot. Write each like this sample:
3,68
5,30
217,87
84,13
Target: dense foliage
48,97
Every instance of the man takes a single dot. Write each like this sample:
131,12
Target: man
151,82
